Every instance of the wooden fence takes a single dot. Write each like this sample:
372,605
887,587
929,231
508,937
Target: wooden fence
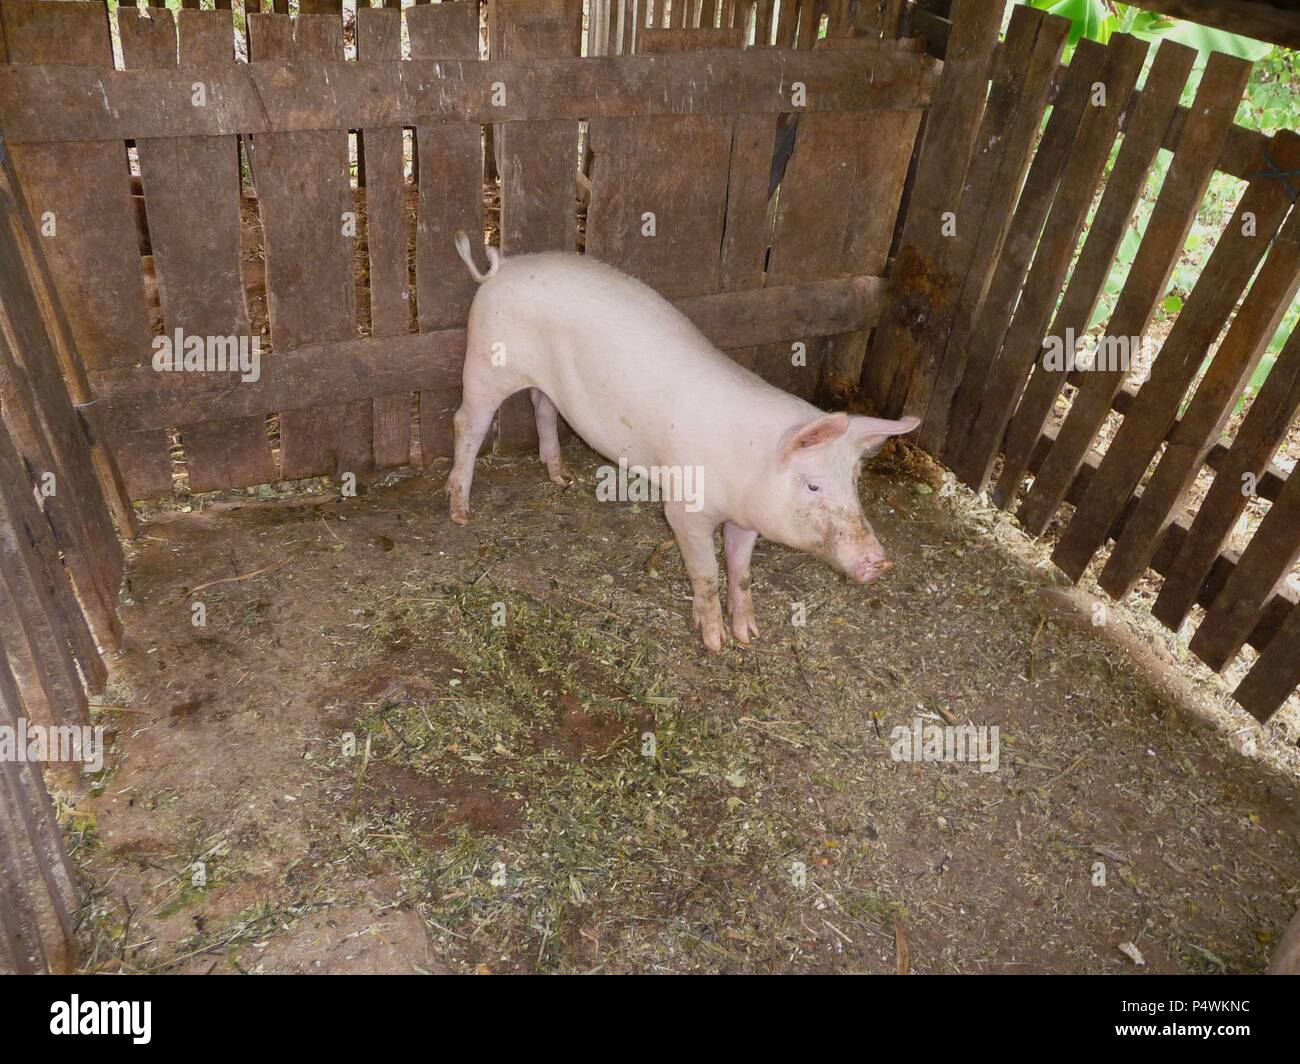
345,352
779,222
124,203
997,271
60,567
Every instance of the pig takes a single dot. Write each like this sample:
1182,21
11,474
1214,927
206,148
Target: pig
641,384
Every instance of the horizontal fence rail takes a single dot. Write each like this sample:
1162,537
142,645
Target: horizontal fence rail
51,103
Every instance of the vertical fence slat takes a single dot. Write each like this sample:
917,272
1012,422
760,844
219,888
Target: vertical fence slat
630,181
451,199
33,626
1266,425
1171,219
42,604
538,163
1203,422
1275,675
58,375
303,193
1045,173
83,191
52,440
38,895
1018,97
1143,136
1087,156
1226,274
1264,565
379,38
744,245
191,189
865,162
949,139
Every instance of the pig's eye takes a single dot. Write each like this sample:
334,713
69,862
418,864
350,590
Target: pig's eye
813,486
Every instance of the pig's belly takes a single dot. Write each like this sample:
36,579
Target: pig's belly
614,415
610,435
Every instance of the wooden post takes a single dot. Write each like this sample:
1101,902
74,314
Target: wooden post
918,276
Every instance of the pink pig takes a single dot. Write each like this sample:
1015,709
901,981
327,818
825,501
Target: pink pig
642,385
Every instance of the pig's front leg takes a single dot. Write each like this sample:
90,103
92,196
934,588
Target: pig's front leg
694,532
738,545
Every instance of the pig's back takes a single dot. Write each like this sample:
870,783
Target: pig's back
605,323
628,371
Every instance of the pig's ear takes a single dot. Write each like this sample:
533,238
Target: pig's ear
815,434
870,433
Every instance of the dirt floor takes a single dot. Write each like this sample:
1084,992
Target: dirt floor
401,745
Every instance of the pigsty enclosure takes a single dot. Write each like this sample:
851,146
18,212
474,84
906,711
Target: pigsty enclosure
783,172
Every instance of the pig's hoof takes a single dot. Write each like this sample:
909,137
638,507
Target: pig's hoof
713,639
460,514
560,477
712,631
744,628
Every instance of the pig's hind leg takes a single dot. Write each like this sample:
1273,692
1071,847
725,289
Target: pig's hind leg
485,388
548,437
471,423
694,534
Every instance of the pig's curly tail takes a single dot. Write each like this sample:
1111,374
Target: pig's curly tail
493,256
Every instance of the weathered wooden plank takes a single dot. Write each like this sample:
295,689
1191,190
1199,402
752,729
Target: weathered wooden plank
38,627
379,37
53,528
807,29
1036,198
192,196
451,201
1143,134
949,138
787,26
430,361
1206,417
80,198
40,895
1266,425
661,224
1226,274
836,211
1277,672
1087,156
539,168
51,103
1018,97
305,198
51,437
59,379
663,41
1270,483
1180,196
745,237
1264,566
1275,613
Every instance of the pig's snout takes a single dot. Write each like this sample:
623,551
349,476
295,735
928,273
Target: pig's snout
871,564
